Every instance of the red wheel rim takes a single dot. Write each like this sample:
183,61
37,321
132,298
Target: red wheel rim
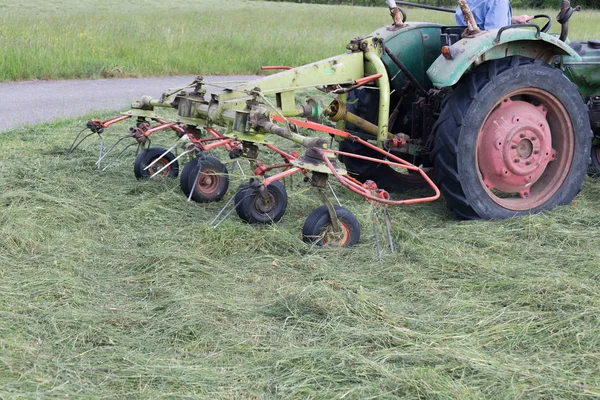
208,182
264,203
330,239
524,149
158,165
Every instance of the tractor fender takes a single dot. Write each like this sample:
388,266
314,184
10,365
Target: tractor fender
495,44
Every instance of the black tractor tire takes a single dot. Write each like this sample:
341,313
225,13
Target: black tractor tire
261,208
184,177
318,223
240,196
146,158
212,183
475,125
365,104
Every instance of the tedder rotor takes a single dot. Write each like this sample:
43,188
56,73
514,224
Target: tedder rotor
499,119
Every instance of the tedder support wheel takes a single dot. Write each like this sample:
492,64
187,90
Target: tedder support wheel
148,156
257,204
512,139
206,178
318,228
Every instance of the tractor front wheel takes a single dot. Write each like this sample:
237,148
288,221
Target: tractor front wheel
512,139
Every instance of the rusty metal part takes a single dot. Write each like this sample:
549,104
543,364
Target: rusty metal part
139,132
524,150
275,67
472,28
337,111
312,160
319,180
515,146
398,15
338,231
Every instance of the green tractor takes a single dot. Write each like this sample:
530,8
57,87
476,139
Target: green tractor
503,122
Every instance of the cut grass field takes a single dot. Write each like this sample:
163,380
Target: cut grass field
117,288
66,39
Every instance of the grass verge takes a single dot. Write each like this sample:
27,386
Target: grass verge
88,39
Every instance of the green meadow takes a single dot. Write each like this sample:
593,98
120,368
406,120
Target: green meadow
65,39
116,288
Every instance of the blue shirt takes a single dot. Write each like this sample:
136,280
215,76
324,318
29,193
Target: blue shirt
488,14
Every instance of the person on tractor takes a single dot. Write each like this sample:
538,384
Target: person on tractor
491,14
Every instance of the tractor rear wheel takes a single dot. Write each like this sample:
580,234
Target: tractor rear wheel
512,139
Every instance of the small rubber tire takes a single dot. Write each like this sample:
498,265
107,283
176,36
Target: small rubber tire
184,177
240,196
319,222
212,183
255,208
148,156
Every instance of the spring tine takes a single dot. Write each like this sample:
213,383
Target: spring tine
222,210
171,162
374,223
196,179
223,219
228,213
388,229
233,165
240,167
334,195
117,156
162,155
101,150
111,148
75,146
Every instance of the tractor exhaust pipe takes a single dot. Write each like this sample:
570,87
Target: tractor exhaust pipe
395,13
472,27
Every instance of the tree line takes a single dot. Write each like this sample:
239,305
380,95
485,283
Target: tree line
553,4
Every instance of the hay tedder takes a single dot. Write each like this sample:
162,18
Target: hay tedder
500,120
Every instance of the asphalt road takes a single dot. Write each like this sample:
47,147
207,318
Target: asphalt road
34,102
